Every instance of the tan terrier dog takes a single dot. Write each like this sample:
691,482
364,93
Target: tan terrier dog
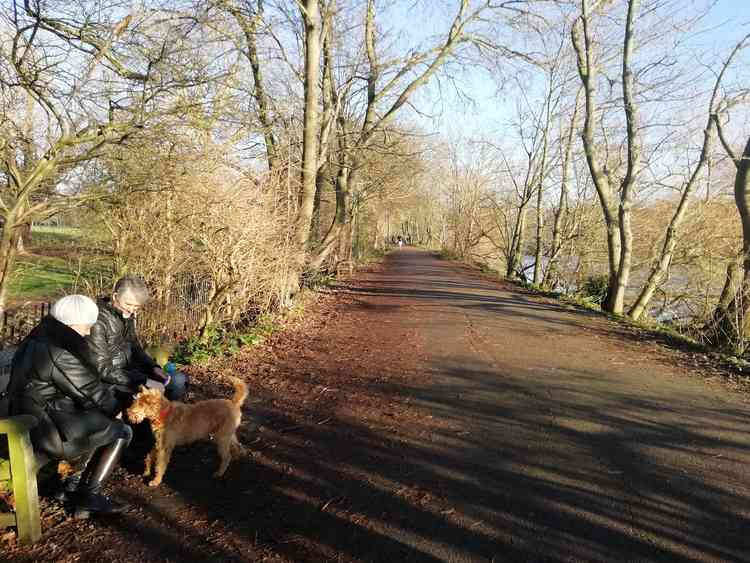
174,424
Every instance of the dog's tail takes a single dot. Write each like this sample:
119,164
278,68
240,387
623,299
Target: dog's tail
240,391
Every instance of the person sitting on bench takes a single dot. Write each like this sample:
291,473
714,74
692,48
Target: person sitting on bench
117,352
54,378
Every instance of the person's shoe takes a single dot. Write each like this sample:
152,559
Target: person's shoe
87,503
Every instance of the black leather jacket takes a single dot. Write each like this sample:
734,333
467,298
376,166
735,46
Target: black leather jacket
117,353
53,377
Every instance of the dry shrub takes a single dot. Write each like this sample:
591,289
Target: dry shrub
211,240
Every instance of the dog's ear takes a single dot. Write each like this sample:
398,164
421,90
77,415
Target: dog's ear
142,388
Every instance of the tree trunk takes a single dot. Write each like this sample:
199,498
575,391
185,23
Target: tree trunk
613,259
249,27
587,70
539,228
355,251
339,222
718,321
617,292
8,252
670,237
317,225
731,283
617,303
563,202
741,302
207,317
515,258
311,16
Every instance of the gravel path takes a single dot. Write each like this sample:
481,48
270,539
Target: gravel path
423,412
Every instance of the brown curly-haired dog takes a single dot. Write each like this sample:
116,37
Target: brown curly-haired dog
175,423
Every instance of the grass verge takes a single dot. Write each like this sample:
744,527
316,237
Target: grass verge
57,260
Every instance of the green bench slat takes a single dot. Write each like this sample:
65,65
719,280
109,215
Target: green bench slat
21,467
17,424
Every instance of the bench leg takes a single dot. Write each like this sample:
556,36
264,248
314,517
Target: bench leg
23,471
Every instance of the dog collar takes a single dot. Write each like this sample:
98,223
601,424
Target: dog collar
164,413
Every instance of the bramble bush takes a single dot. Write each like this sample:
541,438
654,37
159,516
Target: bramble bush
594,289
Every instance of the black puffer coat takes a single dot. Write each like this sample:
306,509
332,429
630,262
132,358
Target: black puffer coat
117,353
53,377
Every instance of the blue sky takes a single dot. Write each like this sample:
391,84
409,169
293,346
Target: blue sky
727,21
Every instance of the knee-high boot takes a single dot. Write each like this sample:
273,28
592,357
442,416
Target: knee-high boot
69,485
88,497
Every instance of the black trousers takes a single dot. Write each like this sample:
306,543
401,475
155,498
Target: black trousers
62,435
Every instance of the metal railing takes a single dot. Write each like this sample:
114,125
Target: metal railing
18,322
176,315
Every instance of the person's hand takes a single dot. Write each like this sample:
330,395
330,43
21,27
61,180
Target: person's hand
162,375
153,384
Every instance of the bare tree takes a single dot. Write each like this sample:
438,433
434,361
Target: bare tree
249,17
310,11
660,269
560,212
94,81
616,215
731,319
221,235
528,178
390,84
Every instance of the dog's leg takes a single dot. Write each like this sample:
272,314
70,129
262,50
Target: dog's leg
148,462
162,460
236,447
224,446
152,455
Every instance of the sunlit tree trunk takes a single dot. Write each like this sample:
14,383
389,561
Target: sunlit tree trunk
311,16
730,322
562,205
616,216
248,22
515,257
659,271
670,238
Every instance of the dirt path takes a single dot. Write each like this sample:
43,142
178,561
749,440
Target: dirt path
424,413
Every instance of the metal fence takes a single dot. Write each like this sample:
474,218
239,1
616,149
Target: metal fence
174,316
18,322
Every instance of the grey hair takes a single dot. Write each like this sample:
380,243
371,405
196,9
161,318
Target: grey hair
134,286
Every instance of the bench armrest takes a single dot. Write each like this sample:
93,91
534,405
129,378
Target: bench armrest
17,424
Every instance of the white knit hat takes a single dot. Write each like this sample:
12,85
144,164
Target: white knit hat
75,310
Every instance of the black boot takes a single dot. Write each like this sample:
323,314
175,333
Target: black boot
68,487
88,497
88,502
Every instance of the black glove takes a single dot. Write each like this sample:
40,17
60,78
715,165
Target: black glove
137,378
110,405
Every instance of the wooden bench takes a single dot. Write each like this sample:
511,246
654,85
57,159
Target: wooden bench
18,474
18,466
